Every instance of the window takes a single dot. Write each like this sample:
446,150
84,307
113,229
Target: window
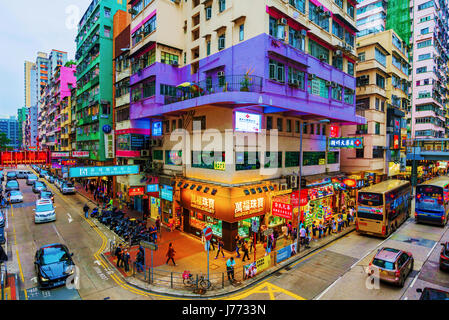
277,71
206,159
333,157
380,57
425,30
137,8
294,74
377,128
360,153
424,44
311,158
362,129
378,152
337,92
173,158
149,89
269,123
421,70
199,123
221,5
425,5
273,159
425,19
107,12
337,29
339,3
337,62
351,68
221,42
318,16
380,81
167,90
349,39
299,4
208,12
296,39
291,159
361,56
107,32
318,87
242,32
304,128
169,58
350,9
318,51
289,126
247,161
318,129
297,126
349,96
280,123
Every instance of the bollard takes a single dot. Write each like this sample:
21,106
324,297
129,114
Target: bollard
171,279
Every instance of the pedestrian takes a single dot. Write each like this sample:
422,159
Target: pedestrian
302,234
230,269
211,244
237,245
245,251
140,261
339,223
126,257
345,219
171,254
220,248
329,226
314,229
3,255
334,226
290,228
320,230
274,239
158,224
285,231
171,224
118,254
86,211
251,244
294,233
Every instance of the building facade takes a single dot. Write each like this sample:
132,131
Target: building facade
10,127
280,66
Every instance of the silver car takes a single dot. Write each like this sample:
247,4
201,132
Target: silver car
31,179
15,196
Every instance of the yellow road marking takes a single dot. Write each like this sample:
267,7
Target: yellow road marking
268,288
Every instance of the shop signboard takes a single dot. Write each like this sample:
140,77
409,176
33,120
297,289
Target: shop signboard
283,210
152,188
202,203
393,168
334,131
109,145
68,162
80,154
247,122
248,207
346,142
136,191
220,165
155,204
57,155
83,172
320,192
156,129
167,193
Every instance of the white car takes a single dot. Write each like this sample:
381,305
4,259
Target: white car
15,196
44,211
67,188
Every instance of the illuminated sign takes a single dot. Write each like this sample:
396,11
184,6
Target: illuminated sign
203,203
109,145
247,207
60,155
167,193
374,210
68,162
152,188
156,129
136,191
247,122
348,142
220,165
334,131
283,210
80,154
82,172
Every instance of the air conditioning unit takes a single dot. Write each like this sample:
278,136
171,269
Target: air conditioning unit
282,21
322,57
311,76
145,153
327,14
292,182
364,77
294,82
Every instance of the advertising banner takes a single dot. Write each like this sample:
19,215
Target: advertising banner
56,155
247,122
283,210
167,193
80,154
136,191
83,172
257,267
286,252
347,142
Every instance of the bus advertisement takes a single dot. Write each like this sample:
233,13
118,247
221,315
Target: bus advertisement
432,201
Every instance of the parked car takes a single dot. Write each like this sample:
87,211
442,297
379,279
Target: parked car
433,294
50,179
11,175
31,179
2,236
42,173
44,211
2,219
12,185
2,175
23,174
16,196
444,256
53,265
46,195
391,265
38,186
68,188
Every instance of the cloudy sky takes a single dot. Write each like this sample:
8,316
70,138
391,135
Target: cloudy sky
28,27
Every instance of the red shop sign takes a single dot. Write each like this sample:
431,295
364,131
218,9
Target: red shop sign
283,210
136,191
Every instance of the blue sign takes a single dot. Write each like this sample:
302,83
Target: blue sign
83,172
348,143
152,188
167,193
107,128
64,169
156,129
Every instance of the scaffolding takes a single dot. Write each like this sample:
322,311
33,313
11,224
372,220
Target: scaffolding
398,19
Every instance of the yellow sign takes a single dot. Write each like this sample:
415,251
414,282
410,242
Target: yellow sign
281,192
263,263
322,162
220,165
203,203
247,207
393,168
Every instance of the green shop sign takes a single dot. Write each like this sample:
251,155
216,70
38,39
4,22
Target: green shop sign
83,172
350,143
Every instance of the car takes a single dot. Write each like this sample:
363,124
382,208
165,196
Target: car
12,185
68,188
11,175
432,294
46,195
50,179
2,219
31,179
38,186
2,175
2,236
15,196
53,264
444,256
42,173
391,265
57,182
44,211
23,174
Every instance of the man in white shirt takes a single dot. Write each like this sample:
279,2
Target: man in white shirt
302,235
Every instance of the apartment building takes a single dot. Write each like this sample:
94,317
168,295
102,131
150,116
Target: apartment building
240,67
430,71
10,127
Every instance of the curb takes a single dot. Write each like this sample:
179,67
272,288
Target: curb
248,283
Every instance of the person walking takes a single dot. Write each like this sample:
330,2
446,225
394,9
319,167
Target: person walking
302,235
140,261
220,248
334,226
230,269
290,229
86,211
158,224
237,245
126,257
320,230
345,219
245,251
339,222
118,254
314,229
170,254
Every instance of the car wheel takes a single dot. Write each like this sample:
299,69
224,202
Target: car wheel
402,282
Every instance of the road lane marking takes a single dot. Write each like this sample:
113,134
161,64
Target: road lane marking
430,252
328,288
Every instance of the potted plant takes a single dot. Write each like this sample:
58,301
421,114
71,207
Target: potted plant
246,82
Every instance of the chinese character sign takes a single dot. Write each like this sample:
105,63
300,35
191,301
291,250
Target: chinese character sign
283,210
247,207
347,143
203,203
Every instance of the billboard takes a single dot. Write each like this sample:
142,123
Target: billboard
346,142
136,191
248,122
156,129
84,172
80,154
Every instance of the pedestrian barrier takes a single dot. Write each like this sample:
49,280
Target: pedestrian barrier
3,280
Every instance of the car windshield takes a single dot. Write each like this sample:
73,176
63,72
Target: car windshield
435,295
13,184
39,184
11,174
44,207
32,177
45,194
68,185
383,264
54,255
15,193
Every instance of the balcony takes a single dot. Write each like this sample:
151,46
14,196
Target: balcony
240,83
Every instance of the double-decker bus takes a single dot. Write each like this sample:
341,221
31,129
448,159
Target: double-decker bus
383,207
432,201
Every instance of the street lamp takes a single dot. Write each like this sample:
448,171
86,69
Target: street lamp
298,247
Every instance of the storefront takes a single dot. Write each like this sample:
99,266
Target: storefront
228,211
140,199
166,204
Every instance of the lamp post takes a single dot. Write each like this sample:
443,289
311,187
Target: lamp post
298,247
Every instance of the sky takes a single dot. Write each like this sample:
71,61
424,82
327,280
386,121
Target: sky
28,27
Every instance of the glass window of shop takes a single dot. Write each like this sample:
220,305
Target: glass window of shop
291,159
313,158
247,161
158,155
200,221
206,159
132,142
173,158
244,228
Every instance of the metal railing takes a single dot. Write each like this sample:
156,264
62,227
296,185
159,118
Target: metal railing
3,280
233,83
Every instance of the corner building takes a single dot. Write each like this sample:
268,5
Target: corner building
243,66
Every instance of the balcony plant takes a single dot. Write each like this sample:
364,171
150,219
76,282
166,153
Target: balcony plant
247,81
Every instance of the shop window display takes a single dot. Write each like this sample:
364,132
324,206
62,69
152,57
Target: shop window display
200,221
245,227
